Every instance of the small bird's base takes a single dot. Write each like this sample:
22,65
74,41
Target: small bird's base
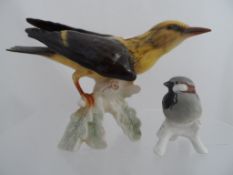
86,123
170,131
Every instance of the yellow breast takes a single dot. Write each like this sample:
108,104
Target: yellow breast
143,51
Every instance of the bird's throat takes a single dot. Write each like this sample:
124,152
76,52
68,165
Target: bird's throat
147,60
145,53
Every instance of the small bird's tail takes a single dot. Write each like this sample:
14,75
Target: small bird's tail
44,51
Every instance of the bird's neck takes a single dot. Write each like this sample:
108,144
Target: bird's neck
144,51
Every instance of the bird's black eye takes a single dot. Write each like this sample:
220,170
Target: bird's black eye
175,27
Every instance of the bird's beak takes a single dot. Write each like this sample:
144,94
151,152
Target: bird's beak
167,84
192,31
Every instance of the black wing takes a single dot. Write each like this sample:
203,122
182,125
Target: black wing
52,26
104,55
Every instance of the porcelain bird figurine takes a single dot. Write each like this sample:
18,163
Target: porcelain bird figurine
182,109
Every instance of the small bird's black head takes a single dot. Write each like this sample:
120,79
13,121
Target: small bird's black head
176,85
180,84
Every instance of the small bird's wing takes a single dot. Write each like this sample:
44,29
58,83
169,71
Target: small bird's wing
104,55
52,26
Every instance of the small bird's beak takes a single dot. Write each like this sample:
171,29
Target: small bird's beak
192,31
167,84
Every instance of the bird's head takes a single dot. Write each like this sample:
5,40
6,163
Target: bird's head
180,85
167,35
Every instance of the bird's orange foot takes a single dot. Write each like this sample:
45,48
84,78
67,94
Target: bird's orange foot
89,99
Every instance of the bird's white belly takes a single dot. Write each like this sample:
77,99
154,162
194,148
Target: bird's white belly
187,109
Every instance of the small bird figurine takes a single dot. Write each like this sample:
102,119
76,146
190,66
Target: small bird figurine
181,104
99,55
182,109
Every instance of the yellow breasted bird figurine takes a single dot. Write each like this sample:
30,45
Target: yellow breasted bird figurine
99,55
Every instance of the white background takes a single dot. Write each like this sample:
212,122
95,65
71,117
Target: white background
37,95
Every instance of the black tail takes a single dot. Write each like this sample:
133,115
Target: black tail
32,50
